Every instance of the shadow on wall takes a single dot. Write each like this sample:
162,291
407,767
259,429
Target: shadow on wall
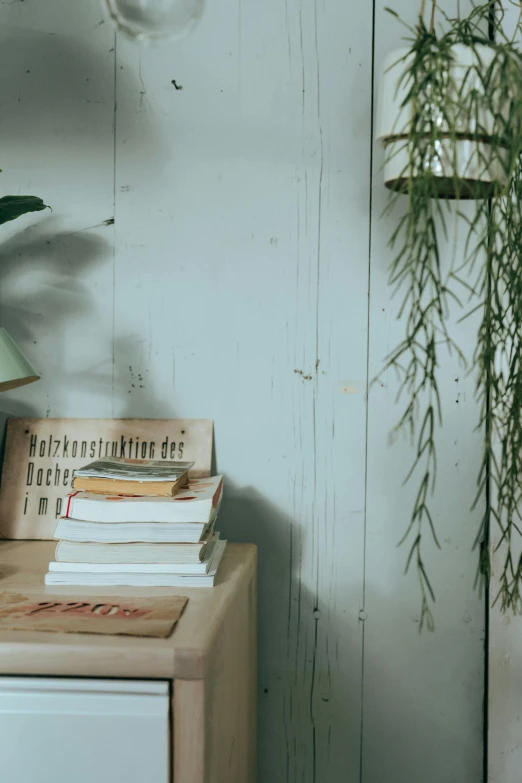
54,75
64,114
305,644
61,98
404,732
52,263
41,270
310,671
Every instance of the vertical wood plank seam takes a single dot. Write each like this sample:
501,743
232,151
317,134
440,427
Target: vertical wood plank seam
114,159
487,534
316,392
370,225
300,563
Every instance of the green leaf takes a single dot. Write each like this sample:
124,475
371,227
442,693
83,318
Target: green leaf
12,207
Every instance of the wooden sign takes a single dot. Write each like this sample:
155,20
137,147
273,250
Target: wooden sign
155,617
42,454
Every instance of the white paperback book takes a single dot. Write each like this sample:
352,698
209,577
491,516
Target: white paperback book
123,554
202,567
130,532
86,579
199,502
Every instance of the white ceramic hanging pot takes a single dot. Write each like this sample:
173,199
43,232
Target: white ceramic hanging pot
458,156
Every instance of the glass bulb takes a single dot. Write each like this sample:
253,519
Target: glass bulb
154,20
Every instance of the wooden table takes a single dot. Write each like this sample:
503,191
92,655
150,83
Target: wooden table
209,662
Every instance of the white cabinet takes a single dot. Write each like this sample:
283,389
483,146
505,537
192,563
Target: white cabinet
86,731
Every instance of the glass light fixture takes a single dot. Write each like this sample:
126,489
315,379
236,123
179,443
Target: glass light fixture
153,21
15,369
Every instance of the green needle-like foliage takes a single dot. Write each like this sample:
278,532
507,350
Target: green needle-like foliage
487,277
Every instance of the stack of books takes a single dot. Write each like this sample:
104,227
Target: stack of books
140,524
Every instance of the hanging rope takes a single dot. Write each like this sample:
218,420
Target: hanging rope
433,9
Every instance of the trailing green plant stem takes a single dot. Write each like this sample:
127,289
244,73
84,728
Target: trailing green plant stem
484,104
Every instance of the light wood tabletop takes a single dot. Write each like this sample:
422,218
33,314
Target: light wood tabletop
186,654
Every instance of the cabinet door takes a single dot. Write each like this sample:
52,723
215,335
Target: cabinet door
86,731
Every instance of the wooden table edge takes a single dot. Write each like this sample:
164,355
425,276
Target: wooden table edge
49,654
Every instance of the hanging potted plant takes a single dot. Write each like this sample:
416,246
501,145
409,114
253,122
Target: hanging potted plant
450,119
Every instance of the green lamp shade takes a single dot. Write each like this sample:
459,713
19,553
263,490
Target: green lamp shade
15,370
